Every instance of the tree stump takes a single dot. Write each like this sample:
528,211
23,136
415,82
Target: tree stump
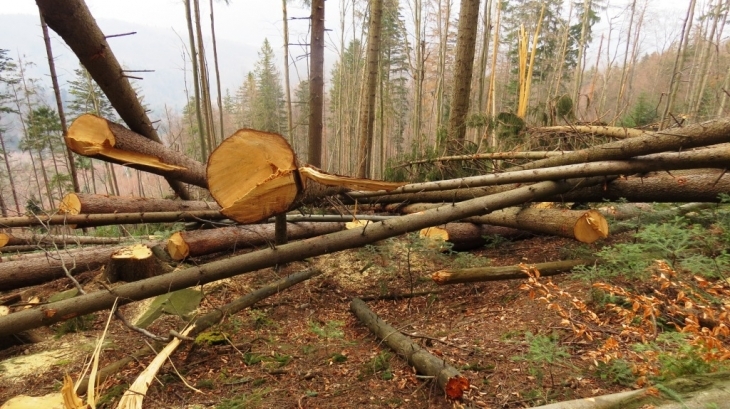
134,263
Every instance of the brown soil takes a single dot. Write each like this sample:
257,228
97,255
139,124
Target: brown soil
304,349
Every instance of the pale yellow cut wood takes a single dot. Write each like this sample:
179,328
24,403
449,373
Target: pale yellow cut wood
328,179
590,227
70,204
176,247
90,135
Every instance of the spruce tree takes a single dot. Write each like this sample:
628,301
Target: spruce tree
268,108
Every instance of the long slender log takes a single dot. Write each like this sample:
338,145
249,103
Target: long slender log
330,243
598,130
72,20
212,318
447,377
196,243
8,239
90,220
703,158
23,273
11,256
77,203
468,236
478,274
699,187
95,137
491,155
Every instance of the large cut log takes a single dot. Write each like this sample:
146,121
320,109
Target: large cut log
91,220
73,21
714,157
196,243
95,137
12,239
478,274
447,377
134,263
273,181
23,273
586,226
77,203
468,236
698,187
329,243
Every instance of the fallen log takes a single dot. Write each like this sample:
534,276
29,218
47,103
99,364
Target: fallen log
274,183
446,376
78,203
39,252
211,318
599,130
134,263
716,157
95,137
330,243
196,243
23,273
32,240
468,236
479,274
491,155
91,220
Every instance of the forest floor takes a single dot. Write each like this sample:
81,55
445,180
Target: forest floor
520,346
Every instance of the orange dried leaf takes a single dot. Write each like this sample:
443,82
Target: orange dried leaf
456,386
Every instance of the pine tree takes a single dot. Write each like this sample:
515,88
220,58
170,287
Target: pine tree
87,97
268,108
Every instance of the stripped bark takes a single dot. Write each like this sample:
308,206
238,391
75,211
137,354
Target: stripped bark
98,138
91,220
479,274
330,243
447,377
196,243
73,21
77,203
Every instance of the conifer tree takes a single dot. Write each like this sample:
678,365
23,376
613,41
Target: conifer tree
268,107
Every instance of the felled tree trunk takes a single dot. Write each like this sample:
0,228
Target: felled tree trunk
77,203
7,239
196,243
91,220
73,21
468,236
329,243
599,130
473,275
446,376
274,183
95,137
134,263
23,273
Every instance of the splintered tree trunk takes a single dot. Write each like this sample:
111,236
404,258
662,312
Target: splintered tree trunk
474,275
196,243
23,273
467,236
134,263
330,243
463,67
73,21
273,184
86,203
95,137
447,377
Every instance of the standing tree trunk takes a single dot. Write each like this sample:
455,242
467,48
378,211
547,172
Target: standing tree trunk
678,63
59,105
418,76
10,173
73,21
484,53
196,82
217,71
204,83
464,64
625,68
581,51
367,110
281,237
316,84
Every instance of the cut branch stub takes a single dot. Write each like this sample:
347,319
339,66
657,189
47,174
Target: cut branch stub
95,137
254,175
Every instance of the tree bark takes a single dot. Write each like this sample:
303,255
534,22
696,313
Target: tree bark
73,21
367,110
217,71
196,81
678,63
492,156
330,243
316,84
7,239
95,137
10,173
463,68
479,274
134,263
91,220
468,236
447,377
23,273
86,203
610,131
196,243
